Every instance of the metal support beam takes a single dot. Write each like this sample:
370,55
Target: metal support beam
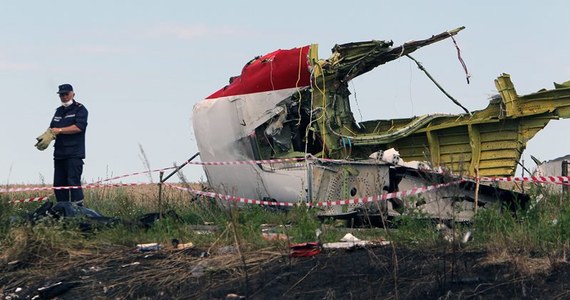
433,141
565,173
475,143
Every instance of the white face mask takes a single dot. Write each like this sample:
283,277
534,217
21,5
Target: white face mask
66,104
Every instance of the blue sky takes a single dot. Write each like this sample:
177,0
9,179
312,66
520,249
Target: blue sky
140,66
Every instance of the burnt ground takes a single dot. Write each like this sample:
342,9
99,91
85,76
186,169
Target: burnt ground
371,273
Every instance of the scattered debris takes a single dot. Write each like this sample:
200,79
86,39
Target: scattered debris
272,236
147,220
305,249
54,290
451,234
148,247
349,241
11,296
136,263
274,277
466,237
207,228
92,269
233,297
89,219
271,232
179,246
227,250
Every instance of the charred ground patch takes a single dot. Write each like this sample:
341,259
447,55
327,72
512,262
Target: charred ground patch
366,273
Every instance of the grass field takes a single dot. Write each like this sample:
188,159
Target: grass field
544,228
540,233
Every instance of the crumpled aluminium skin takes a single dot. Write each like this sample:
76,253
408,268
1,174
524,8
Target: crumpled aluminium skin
305,249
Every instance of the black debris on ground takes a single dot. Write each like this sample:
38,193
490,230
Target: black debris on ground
368,273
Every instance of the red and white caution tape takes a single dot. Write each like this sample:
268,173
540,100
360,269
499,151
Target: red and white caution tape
383,197
245,162
36,199
210,163
231,198
539,179
134,174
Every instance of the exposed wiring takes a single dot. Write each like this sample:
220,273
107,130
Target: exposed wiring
310,116
312,112
410,85
356,100
346,144
421,67
271,73
269,142
323,93
356,64
467,75
348,129
297,85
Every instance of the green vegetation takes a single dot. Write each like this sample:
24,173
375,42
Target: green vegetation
543,229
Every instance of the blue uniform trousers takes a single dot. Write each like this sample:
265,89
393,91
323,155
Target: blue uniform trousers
67,172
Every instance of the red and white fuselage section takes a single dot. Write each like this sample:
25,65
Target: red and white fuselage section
225,120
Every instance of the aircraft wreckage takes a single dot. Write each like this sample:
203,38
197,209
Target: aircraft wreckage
291,104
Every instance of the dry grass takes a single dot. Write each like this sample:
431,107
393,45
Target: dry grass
108,259
35,255
522,263
41,243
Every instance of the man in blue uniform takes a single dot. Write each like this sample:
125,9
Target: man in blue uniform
68,128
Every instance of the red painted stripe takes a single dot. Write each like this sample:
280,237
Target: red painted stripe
281,69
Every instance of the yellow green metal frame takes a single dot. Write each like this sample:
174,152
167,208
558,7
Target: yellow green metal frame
488,142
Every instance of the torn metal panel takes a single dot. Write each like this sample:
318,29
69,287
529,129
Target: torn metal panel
491,140
338,181
553,167
290,103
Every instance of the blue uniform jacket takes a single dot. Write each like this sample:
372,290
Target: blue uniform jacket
70,145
